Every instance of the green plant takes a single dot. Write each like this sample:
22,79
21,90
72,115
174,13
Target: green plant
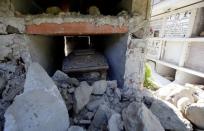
148,82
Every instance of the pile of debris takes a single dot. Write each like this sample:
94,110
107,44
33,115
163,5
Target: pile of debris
14,59
189,100
78,106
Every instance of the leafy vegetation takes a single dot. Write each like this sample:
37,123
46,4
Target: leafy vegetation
148,82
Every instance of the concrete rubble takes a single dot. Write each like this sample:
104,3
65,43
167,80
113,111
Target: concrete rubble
115,123
187,101
40,107
169,116
195,113
138,118
99,87
112,109
14,60
82,96
30,100
88,107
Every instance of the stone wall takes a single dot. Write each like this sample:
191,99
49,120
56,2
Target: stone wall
14,61
7,8
134,67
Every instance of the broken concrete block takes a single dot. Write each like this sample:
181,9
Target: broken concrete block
169,116
82,95
76,128
178,93
195,113
40,107
115,123
99,87
173,92
37,110
71,90
30,110
37,78
64,80
137,117
14,47
60,76
183,103
93,105
101,118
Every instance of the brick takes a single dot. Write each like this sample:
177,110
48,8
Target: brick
76,28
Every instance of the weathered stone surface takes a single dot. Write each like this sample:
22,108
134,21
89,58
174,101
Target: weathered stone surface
169,116
37,78
173,92
99,87
82,95
195,113
134,64
13,88
64,81
14,47
112,84
40,107
183,103
93,105
198,91
137,117
101,118
76,128
2,28
60,76
6,8
5,50
37,110
12,25
115,123
165,91
174,96
14,60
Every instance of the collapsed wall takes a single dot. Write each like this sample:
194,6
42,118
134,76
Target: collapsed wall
16,51
14,61
100,106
